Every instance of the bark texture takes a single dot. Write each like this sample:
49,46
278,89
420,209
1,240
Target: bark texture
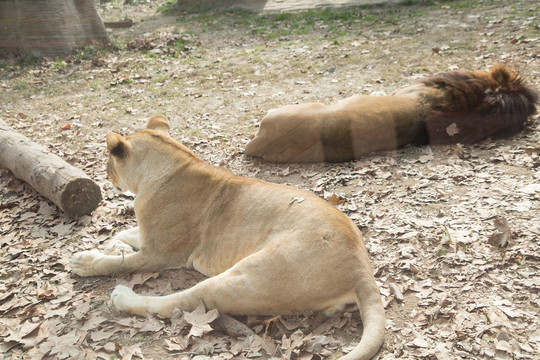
66,186
49,27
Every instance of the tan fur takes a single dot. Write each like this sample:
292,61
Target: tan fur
349,129
477,104
268,249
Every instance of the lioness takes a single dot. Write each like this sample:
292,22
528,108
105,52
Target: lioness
267,249
453,107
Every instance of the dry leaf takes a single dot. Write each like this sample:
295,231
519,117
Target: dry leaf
334,199
152,324
232,326
316,343
297,199
62,229
99,335
46,291
452,129
177,343
200,346
93,320
396,291
66,346
13,183
128,352
26,329
290,324
81,310
502,235
199,320
109,347
420,342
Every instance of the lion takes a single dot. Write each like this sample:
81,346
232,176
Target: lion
454,107
267,249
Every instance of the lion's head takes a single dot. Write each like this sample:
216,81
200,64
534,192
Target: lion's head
123,156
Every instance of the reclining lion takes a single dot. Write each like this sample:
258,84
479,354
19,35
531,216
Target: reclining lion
267,249
454,107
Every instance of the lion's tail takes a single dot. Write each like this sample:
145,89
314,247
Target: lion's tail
469,106
373,320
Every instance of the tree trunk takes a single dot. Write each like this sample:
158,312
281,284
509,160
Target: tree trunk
48,27
66,186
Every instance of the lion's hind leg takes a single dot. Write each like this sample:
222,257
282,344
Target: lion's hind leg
125,242
260,284
227,292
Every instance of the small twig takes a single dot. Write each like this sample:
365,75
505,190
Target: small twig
172,353
118,266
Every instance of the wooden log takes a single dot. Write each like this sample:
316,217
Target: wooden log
66,186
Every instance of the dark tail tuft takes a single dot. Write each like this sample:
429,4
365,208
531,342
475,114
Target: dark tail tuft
467,107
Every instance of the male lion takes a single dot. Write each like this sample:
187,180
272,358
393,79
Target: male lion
454,107
267,249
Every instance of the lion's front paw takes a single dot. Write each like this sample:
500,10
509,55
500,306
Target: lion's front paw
83,263
125,299
118,247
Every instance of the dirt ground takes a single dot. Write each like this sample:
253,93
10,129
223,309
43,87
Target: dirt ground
452,231
286,5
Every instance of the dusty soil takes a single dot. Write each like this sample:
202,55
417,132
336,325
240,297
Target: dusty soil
281,6
452,231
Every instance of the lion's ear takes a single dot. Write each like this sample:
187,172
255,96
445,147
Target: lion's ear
159,123
117,145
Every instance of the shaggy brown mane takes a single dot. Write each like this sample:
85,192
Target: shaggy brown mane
477,105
